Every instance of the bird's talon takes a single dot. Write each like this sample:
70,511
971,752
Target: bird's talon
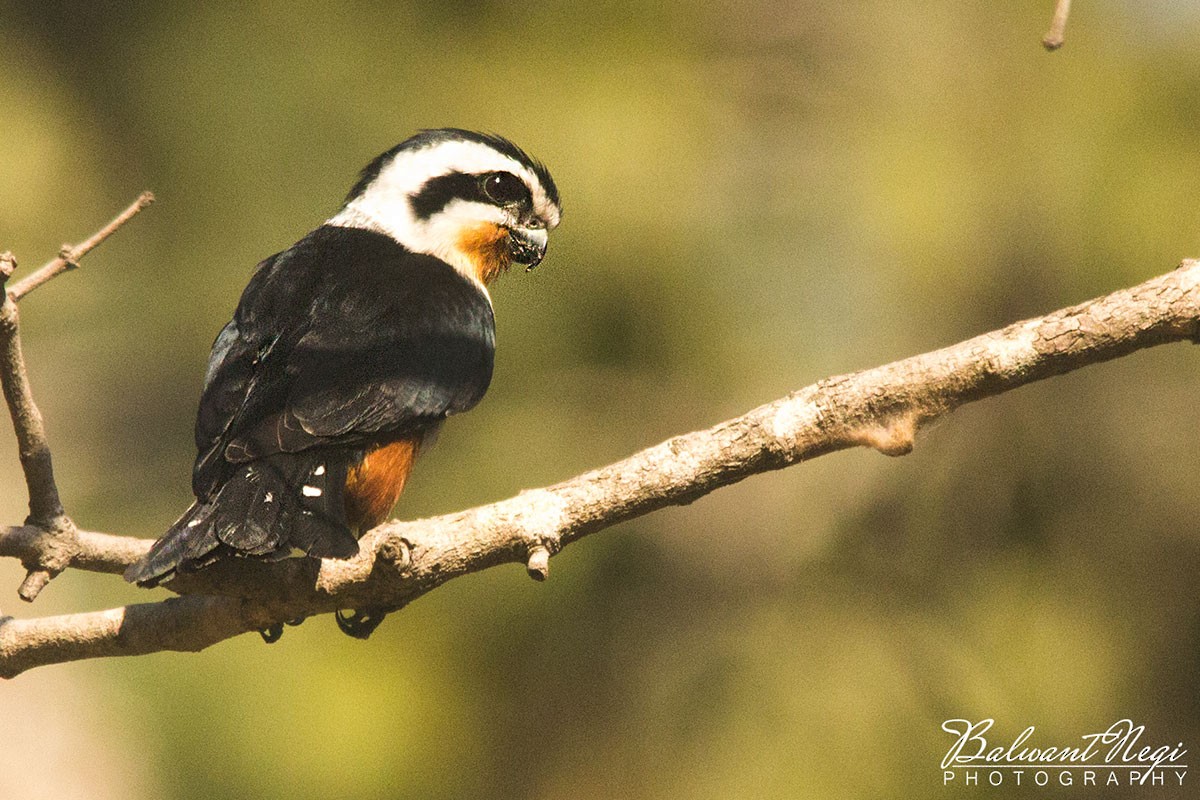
359,623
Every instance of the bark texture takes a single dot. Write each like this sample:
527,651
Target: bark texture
883,408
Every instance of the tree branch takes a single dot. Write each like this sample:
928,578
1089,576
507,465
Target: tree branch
57,547
68,256
45,509
881,408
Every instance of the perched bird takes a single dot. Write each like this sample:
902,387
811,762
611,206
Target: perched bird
349,349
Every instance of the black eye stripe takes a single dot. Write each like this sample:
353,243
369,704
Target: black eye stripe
439,192
433,138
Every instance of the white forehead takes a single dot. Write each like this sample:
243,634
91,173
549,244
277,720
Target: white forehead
409,170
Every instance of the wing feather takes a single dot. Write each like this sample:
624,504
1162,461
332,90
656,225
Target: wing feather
343,339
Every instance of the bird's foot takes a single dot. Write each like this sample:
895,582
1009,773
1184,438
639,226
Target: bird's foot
272,633
361,622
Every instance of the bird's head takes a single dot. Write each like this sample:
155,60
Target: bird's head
476,201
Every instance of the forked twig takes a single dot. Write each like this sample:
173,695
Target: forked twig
58,546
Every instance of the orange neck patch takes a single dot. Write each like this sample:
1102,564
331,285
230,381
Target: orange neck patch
487,247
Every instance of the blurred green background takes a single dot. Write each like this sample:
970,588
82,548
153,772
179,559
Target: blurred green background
758,195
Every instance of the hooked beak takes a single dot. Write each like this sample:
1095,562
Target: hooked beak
527,246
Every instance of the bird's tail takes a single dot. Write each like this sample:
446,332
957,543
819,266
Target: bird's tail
267,509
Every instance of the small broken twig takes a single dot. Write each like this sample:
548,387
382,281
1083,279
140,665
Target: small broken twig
1058,26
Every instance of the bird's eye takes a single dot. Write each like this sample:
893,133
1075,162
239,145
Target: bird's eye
504,188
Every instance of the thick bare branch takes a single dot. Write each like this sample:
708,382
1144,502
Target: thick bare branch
182,623
881,408
94,552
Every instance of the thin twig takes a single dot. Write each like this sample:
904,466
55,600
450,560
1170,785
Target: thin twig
45,507
68,256
44,503
882,408
55,549
1058,26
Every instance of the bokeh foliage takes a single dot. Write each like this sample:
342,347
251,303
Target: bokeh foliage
758,194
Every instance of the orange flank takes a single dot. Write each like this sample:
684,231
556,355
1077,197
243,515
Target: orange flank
374,486
487,247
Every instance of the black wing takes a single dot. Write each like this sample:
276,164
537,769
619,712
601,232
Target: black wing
343,339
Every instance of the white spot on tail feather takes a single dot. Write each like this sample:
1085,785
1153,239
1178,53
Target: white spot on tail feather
268,497
311,491
320,470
